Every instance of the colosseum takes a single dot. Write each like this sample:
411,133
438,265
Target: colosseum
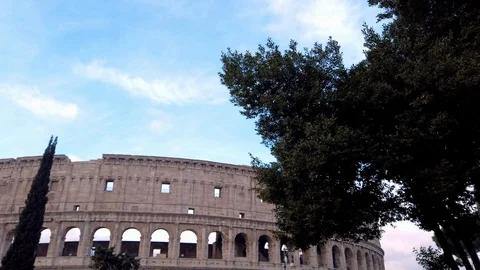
172,213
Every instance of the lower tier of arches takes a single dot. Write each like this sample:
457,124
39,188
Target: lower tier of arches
187,243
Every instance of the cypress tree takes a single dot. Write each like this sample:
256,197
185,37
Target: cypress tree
21,254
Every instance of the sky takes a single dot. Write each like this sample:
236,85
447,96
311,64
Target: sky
141,77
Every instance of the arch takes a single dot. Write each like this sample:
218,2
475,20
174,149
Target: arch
321,253
8,241
336,257
241,245
349,259
101,237
367,261
283,251
43,243
188,244
159,243
131,241
263,243
71,241
215,245
360,261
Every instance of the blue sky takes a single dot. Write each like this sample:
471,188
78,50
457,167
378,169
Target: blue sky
141,77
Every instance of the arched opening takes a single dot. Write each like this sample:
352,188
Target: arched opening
241,245
131,241
188,244
215,245
101,238
44,242
283,251
8,241
263,243
349,258
70,244
367,261
360,261
159,243
321,255
336,257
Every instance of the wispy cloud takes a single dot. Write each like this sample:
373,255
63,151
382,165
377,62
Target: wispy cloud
169,89
399,242
31,99
316,20
161,122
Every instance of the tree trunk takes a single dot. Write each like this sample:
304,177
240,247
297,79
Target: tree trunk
458,246
471,252
446,250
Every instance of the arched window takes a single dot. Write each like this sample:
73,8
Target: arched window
44,242
263,242
101,238
159,243
70,244
241,245
336,257
131,241
188,244
215,245
349,258
8,241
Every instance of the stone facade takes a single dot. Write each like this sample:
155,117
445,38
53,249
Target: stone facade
122,192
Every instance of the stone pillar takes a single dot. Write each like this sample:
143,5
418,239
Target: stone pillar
3,239
229,246
55,246
310,256
274,251
202,245
252,250
116,238
85,240
174,245
144,250
327,256
343,257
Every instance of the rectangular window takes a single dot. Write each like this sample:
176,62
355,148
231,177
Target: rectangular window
217,192
76,208
191,211
109,185
165,188
241,215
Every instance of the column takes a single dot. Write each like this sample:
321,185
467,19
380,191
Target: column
3,239
202,245
55,241
174,245
116,238
85,240
229,246
144,250
252,250
274,251
310,256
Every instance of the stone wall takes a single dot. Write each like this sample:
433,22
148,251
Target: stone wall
121,192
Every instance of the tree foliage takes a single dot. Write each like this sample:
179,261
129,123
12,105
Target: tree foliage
21,254
392,138
106,259
430,258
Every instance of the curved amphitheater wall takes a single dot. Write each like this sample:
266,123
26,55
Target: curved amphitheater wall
173,213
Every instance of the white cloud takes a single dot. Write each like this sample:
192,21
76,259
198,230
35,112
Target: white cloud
316,20
74,158
398,244
31,99
162,121
166,90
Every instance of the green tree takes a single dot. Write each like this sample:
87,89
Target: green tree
21,254
106,259
391,138
430,258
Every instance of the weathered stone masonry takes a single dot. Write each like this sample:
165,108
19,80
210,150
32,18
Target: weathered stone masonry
213,203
